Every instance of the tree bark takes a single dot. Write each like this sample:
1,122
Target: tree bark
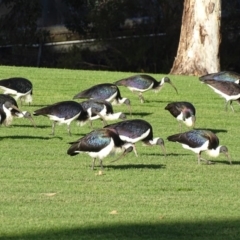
198,50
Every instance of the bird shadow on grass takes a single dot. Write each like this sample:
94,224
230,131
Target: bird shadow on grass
142,114
79,135
225,162
39,105
162,155
213,130
29,137
136,166
157,101
161,229
176,154
27,126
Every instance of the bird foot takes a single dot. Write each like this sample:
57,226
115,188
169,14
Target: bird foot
209,162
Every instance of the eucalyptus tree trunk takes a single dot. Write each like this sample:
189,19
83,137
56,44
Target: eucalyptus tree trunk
198,50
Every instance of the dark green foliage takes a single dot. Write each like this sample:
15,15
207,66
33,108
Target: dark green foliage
230,31
108,21
19,24
105,19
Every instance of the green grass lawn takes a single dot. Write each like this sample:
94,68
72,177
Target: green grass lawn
46,194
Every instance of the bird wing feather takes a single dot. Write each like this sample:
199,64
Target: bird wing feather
65,110
137,81
100,91
92,142
221,76
132,128
21,85
228,88
175,108
192,138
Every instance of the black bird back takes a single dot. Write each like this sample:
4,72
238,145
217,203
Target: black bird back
65,109
97,105
95,141
100,91
196,138
132,128
18,84
175,108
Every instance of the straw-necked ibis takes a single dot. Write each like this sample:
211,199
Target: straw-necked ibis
228,90
97,108
61,112
106,91
99,144
20,88
199,141
183,111
15,111
143,83
222,76
5,113
136,130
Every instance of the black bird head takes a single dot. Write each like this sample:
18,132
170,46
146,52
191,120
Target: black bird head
157,141
25,114
160,142
28,115
224,150
167,80
10,106
128,147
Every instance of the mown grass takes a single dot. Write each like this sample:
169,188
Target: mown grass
46,194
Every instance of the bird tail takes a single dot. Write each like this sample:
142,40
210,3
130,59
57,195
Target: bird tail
42,111
116,83
83,94
174,138
119,82
74,149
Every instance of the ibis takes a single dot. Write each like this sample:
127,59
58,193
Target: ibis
99,144
61,112
20,88
222,76
15,111
99,108
107,91
199,141
228,90
136,130
143,83
5,113
184,112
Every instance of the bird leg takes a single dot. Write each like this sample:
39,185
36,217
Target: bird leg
103,119
200,158
141,97
93,163
53,128
68,129
100,161
231,106
226,106
91,125
135,150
